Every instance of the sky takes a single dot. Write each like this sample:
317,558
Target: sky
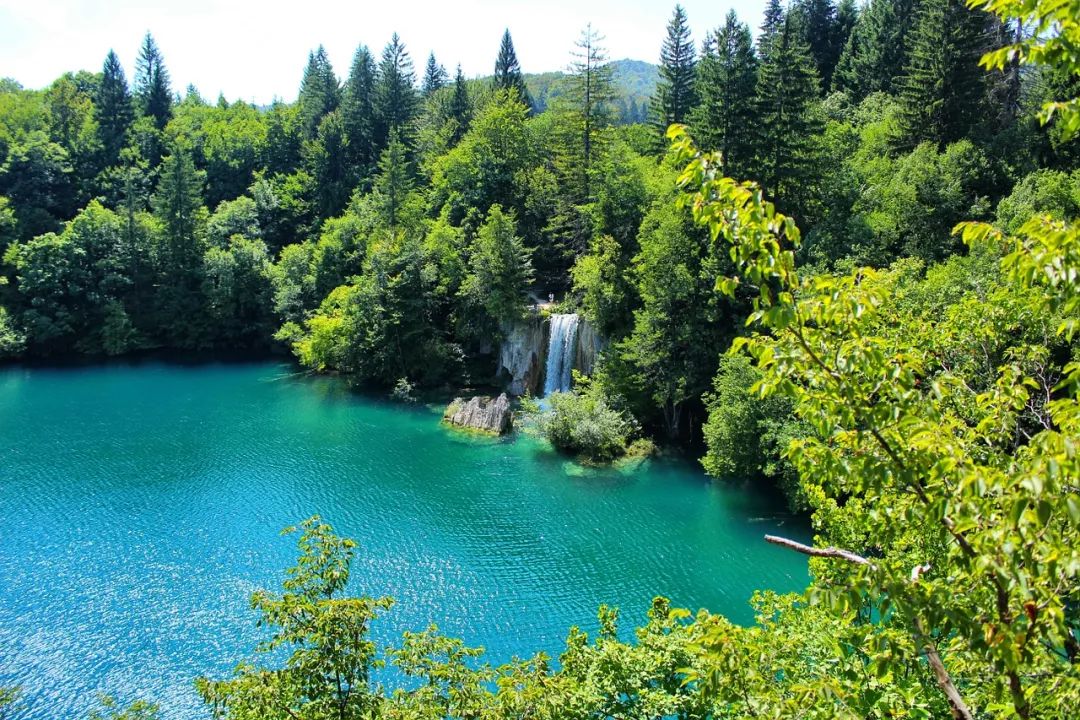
256,51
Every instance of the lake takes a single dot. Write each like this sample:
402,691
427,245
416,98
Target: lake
141,503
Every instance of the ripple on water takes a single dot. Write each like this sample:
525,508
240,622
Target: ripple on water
142,504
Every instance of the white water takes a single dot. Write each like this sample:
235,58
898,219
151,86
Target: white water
560,355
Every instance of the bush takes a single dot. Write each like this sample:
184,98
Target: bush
584,422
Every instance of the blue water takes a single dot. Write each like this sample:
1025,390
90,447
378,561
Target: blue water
141,504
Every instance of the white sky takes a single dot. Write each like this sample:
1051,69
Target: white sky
256,51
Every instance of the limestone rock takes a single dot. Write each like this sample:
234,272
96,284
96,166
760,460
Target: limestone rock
520,357
491,415
589,345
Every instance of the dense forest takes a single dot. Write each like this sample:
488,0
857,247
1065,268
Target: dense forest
912,384
392,227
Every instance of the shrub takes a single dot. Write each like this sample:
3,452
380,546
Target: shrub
585,422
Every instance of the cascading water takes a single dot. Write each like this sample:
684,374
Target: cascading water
560,354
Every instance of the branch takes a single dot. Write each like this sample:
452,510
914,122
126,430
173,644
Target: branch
957,705
828,552
959,708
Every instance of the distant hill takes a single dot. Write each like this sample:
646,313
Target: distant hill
635,82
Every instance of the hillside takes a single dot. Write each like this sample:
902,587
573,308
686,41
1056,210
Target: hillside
635,81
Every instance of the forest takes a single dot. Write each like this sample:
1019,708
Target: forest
887,192
391,228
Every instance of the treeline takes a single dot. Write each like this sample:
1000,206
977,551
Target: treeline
391,226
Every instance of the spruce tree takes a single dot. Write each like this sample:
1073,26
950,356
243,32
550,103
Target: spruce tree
817,20
394,181
395,93
460,107
113,110
358,112
727,85
943,93
787,90
329,166
770,25
675,92
178,207
847,14
435,77
508,73
152,84
876,51
319,92
589,92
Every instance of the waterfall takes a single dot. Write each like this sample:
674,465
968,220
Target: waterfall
560,355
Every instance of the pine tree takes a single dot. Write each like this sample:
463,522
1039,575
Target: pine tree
943,93
152,84
435,77
675,93
319,92
817,20
358,112
727,86
876,51
770,25
460,107
176,205
329,166
394,181
786,93
589,92
113,110
508,73
395,93
847,14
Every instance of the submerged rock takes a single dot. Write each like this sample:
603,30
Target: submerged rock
491,415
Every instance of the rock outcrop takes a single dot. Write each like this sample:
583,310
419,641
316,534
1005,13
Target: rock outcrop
520,357
589,345
490,415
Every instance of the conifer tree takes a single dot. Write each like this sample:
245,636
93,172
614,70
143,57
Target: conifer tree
508,73
319,92
113,110
770,25
727,84
328,158
394,181
460,108
500,269
176,205
589,92
943,93
675,92
786,93
847,14
358,112
817,20
395,93
435,77
876,51
152,84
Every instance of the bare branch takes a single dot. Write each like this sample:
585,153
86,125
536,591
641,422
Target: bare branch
959,708
828,552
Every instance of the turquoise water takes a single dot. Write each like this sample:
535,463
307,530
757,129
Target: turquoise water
141,504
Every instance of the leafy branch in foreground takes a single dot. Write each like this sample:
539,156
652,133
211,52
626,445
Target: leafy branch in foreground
971,515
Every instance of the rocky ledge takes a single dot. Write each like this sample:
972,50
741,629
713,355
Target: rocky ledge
490,415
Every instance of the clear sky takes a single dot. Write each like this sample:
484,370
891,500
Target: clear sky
256,51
